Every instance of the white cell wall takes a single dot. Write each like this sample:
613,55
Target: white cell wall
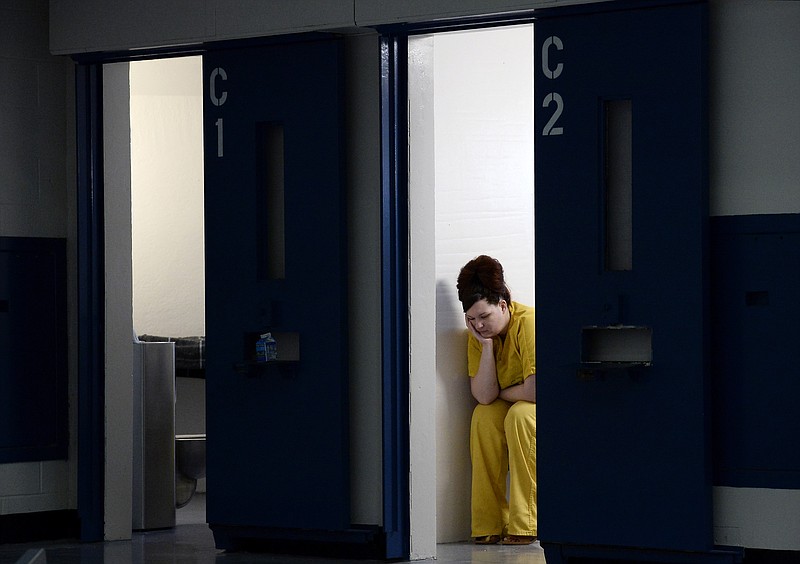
423,435
167,197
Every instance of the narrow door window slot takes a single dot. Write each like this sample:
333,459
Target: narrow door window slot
618,164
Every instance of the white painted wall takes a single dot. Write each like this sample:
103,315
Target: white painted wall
167,197
118,471
423,438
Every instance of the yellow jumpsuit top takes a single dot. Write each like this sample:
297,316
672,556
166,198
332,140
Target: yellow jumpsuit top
515,355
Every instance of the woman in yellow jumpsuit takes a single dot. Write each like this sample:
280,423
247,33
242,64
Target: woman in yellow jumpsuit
502,368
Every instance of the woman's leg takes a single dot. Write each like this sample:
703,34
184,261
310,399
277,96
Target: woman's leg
489,453
520,430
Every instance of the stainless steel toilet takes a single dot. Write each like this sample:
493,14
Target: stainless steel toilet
190,466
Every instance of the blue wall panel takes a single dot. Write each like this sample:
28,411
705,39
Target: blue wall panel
33,349
755,353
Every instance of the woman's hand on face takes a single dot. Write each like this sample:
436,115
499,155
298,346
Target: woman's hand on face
471,327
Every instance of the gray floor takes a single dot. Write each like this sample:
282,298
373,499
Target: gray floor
191,542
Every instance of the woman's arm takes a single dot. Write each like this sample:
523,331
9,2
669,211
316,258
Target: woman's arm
483,385
527,351
521,392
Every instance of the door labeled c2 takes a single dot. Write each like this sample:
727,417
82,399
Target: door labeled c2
621,220
277,430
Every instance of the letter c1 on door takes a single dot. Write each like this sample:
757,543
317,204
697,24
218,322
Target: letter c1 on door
218,100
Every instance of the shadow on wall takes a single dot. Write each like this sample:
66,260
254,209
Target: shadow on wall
454,405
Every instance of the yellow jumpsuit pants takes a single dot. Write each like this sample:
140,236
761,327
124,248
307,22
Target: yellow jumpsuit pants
503,442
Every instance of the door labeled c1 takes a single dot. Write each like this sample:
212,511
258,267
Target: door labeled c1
277,431
621,220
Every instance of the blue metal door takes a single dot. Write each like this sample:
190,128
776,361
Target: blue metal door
621,220
275,262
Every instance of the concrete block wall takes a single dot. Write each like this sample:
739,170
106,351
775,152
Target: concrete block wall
34,201
32,125
34,486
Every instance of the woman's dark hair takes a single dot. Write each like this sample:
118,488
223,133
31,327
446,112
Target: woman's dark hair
482,278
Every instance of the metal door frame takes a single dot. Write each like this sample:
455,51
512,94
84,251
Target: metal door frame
91,300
